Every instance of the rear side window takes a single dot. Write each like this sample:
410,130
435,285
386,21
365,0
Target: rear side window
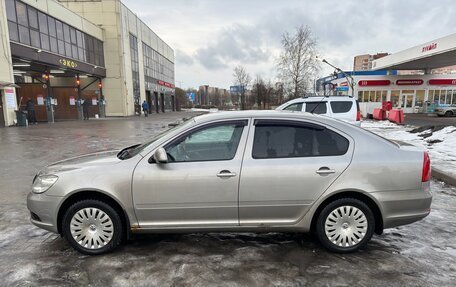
284,140
294,107
341,106
316,107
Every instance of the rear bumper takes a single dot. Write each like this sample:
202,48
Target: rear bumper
404,207
44,210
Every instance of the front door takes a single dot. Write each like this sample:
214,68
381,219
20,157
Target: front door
198,187
407,101
287,166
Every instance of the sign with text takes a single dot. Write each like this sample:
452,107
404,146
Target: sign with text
370,83
416,82
442,82
191,96
166,84
10,96
236,89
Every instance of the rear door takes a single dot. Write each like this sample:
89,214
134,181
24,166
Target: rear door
287,165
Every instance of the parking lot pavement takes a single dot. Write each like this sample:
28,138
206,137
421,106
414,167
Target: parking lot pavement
424,120
421,254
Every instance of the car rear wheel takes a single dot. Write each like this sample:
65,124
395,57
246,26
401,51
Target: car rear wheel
345,225
92,227
448,114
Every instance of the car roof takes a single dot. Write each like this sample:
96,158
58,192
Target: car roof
221,115
322,98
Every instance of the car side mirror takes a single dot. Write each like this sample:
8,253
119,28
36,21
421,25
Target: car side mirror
160,156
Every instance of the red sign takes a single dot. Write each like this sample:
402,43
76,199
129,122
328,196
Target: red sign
416,82
429,47
368,83
166,84
442,82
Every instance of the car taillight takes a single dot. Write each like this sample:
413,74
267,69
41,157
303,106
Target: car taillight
358,116
426,176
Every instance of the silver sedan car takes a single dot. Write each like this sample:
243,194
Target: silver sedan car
238,171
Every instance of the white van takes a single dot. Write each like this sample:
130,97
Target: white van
339,107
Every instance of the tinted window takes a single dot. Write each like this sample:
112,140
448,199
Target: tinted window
43,23
11,10
33,18
216,142
35,39
341,107
287,140
24,35
294,107
316,107
14,34
21,13
51,24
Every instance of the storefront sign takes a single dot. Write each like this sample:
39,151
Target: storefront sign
72,101
429,47
10,96
166,84
370,83
442,82
68,63
416,82
40,100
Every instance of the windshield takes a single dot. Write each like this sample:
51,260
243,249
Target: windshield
131,151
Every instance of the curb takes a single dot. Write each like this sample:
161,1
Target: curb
443,176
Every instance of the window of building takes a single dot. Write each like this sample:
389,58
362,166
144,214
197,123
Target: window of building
215,142
277,140
11,10
32,27
419,98
395,98
135,67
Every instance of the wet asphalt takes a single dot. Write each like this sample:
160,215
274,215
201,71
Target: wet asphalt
420,254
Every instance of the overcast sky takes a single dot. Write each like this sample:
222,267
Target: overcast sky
211,37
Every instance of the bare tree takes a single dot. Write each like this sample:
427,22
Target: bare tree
298,62
241,79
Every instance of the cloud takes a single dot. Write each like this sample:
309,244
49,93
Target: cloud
237,44
183,58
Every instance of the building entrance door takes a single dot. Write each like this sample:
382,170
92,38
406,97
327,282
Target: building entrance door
407,102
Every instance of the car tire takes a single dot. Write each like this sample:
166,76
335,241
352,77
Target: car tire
92,227
448,114
345,225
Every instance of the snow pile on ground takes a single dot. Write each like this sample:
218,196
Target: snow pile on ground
439,141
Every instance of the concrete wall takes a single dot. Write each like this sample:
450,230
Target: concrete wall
6,70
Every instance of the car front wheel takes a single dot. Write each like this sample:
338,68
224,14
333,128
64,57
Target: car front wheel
92,227
448,114
345,225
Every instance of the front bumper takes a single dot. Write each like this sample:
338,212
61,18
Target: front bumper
404,207
44,210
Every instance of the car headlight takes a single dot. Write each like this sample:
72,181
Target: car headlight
43,183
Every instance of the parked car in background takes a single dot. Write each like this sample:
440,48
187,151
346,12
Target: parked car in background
447,111
339,107
238,171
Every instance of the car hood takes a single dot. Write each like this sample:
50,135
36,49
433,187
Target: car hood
98,159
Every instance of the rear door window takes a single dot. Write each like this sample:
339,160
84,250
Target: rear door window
316,107
294,107
341,106
284,139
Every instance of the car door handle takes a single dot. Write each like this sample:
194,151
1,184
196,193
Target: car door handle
325,170
226,174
